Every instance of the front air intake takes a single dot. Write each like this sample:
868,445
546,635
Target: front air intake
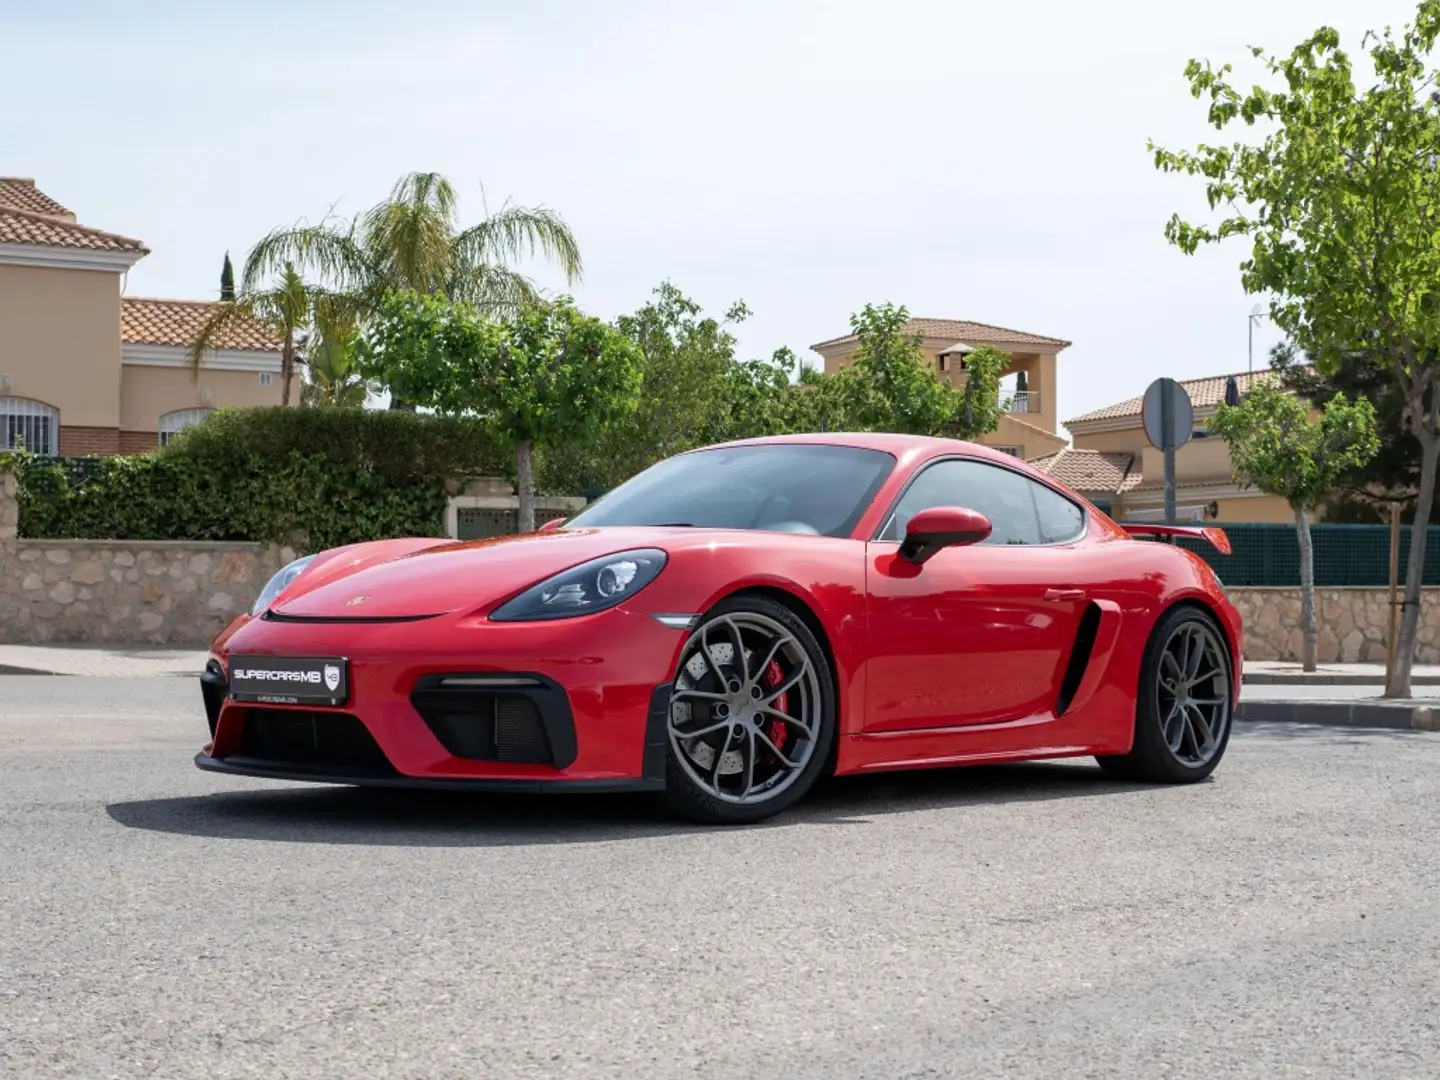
310,741
514,719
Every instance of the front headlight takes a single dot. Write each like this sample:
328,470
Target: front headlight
593,586
277,584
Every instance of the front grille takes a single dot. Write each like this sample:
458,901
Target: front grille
312,741
528,723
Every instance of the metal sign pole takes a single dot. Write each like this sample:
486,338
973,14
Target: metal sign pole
1167,428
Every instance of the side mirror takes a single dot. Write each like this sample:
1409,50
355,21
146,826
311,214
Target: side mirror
551,525
941,527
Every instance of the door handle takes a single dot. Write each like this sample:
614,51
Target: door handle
1059,595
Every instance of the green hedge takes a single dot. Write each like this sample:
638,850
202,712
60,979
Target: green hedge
315,477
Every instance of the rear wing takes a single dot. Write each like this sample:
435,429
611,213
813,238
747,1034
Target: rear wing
1216,536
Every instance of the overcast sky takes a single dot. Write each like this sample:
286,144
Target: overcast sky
969,160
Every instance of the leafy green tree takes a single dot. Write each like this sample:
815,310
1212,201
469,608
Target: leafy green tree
1393,474
891,387
1339,200
1276,446
547,376
227,280
686,357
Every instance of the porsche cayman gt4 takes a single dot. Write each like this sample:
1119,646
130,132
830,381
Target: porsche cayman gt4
733,623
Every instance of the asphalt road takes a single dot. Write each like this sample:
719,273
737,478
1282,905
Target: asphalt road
1034,921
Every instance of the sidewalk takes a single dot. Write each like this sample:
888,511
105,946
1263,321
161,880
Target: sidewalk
102,661
1289,673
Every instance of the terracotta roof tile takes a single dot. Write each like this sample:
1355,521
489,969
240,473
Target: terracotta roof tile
1033,427
1091,471
40,230
20,193
178,323
1204,393
972,333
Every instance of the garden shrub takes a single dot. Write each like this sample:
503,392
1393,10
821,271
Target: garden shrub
318,478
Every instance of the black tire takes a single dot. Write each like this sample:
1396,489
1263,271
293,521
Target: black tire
689,798
1151,758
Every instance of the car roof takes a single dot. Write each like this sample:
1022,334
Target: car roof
905,448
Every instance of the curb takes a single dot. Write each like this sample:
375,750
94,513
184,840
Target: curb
1300,678
1391,716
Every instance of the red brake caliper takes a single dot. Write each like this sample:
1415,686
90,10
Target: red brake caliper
776,730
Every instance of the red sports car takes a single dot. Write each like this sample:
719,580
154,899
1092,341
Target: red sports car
732,623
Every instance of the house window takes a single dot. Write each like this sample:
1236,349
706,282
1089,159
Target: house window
1013,451
266,378
29,424
172,423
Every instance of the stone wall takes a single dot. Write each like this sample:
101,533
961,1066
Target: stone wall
130,592
1353,624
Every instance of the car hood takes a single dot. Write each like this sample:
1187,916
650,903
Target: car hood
396,580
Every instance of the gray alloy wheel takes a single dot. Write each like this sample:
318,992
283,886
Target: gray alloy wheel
751,714
1192,694
1184,708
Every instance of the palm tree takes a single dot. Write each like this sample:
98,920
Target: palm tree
333,380
413,240
287,308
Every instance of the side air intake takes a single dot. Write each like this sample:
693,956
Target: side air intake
1079,657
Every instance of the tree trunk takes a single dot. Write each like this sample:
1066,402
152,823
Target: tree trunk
525,485
1414,571
1308,629
287,366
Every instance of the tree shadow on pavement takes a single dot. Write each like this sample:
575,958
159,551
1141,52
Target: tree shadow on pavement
332,815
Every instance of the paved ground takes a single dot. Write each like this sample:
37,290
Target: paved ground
119,661
1276,923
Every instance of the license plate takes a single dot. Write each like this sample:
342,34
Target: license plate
277,680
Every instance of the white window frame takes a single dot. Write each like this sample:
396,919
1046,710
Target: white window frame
266,378
29,419
172,423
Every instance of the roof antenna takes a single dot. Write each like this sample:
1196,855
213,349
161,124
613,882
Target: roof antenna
1257,312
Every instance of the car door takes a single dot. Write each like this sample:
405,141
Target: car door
979,633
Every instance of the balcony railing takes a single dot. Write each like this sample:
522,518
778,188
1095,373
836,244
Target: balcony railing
1025,401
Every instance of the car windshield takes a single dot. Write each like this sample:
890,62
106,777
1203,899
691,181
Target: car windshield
805,488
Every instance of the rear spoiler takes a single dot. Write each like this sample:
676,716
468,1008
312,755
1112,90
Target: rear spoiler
1216,536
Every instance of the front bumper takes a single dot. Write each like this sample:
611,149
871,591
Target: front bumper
457,705
269,770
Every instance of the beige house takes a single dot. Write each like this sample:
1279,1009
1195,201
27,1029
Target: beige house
1029,429
1113,464
84,369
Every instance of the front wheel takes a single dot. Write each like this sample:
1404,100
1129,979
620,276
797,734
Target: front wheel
752,714
1183,714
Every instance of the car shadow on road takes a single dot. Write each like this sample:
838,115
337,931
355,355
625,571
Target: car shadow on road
333,815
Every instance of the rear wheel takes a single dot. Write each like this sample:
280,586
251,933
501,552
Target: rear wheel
752,714
1183,714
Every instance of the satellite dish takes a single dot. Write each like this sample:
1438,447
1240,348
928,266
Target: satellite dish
1168,415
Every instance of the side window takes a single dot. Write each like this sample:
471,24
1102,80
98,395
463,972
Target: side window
1020,510
1060,519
